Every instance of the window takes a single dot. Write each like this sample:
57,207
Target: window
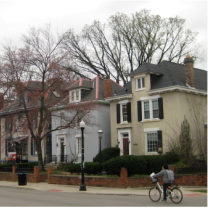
62,119
75,95
146,110
34,149
153,141
123,112
155,110
140,83
150,109
79,145
8,125
48,145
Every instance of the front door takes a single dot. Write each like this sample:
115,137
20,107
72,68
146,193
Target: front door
125,146
62,150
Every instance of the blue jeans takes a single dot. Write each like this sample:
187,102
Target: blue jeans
165,186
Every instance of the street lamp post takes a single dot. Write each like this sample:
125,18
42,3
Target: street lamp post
82,186
100,132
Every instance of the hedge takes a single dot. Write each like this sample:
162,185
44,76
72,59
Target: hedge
137,164
90,168
73,168
26,165
5,165
107,154
19,165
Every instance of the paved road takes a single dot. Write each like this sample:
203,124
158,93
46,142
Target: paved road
17,196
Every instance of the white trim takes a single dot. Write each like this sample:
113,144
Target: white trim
121,132
146,152
75,96
151,129
119,97
139,76
150,109
123,101
77,146
176,88
150,98
58,140
141,83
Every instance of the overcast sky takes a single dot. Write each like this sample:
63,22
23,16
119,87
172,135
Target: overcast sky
16,16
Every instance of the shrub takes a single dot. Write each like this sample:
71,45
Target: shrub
5,165
73,168
92,168
107,154
134,165
137,164
26,165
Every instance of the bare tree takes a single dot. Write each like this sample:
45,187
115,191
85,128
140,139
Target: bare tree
36,75
115,49
198,110
190,139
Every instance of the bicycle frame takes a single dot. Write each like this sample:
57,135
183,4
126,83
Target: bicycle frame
158,185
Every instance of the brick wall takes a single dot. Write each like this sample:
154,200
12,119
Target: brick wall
124,181
107,88
31,178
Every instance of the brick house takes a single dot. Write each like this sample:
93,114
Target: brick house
152,103
16,141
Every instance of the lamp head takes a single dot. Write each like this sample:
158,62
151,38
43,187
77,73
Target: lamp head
100,132
82,124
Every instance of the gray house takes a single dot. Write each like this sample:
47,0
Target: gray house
66,143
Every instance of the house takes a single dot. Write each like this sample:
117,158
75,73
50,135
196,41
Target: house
146,110
66,143
16,139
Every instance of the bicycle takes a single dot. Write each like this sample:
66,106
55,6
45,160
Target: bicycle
174,193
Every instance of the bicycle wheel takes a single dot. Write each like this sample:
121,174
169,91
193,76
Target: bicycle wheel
176,195
154,194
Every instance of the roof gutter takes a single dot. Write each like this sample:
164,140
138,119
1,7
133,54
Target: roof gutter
119,97
62,107
177,88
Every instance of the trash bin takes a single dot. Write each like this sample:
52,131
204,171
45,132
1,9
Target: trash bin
22,179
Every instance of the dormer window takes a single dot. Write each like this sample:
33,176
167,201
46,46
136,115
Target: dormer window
75,96
140,82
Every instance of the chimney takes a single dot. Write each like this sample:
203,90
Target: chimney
189,71
1,101
107,88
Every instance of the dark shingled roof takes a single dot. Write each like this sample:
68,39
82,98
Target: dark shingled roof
167,74
90,88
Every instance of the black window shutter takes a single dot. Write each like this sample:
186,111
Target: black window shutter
160,104
129,112
5,147
139,109
31,146
118,113
159,136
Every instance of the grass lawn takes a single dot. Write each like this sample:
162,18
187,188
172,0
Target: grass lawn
202,191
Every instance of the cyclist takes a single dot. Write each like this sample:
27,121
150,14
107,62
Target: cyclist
166,182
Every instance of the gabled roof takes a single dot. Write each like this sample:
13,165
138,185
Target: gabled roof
168,74
82,83
92,90
52,96
165,75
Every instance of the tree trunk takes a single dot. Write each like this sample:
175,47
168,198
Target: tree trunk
40,158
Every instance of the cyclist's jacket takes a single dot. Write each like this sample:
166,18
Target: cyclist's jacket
164,175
